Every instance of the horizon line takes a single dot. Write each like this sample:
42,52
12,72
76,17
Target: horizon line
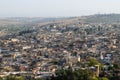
56,16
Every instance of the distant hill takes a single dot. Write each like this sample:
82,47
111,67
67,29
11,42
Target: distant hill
39,21
13,24
30,21
34,19
103,18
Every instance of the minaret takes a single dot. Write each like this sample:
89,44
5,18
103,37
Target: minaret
97,71
68,57
79,59
101,56
0,50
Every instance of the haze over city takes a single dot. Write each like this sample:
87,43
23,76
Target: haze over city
59,39
57,8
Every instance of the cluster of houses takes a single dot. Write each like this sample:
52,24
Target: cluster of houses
45,49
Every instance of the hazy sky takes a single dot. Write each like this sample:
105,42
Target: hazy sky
56,8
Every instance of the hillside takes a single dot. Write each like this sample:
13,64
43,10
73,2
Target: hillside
103,18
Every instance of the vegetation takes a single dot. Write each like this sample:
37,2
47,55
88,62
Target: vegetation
69,74
1,78
10,77
103,18
93,62
73,75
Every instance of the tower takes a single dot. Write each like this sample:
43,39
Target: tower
68,57
101,56
79,59
97,70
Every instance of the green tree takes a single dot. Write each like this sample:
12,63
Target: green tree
93,78
104,78
39,79
93,62
1,78
10,78
116,66
73,75
20,78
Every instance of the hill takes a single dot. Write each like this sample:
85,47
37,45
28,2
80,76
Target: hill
103,18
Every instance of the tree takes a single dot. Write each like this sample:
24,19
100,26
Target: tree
93,62
10,78
39,79
93,78
20,78
73,75
1,78
116,66
104,78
